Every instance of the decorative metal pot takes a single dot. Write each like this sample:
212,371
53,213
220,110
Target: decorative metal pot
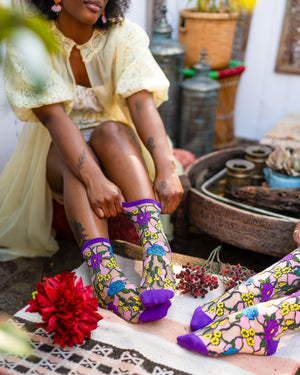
169,54
198,110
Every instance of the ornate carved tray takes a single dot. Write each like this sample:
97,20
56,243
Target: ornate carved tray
232,224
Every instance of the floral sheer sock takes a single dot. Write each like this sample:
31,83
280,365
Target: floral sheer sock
158,282
275,281
114,292
253,330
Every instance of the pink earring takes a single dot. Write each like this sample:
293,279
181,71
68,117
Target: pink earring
56,7
104,20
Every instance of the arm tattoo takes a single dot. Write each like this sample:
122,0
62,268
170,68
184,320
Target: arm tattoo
79,232
150,143
81,159
162,185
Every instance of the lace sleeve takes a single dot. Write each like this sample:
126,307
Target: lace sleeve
136,66
20,92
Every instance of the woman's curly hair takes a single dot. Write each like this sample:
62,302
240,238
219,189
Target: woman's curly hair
114,11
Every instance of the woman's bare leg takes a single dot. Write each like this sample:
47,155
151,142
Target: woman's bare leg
118,151
113,290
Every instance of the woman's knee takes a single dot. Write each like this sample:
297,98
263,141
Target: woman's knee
112,133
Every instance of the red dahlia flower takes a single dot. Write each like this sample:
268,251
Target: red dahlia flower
67,308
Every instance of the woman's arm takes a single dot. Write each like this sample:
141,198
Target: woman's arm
105,197
150,128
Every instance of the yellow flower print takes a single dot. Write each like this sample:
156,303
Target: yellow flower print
286,270
215,341
283,328
251,332
88,253
100,286
147,233
147,266
277,275
145,273
135,212
207,336
121,303
110,265
158,226
281,285
244,332
285,311
135,308
223,322
213,325
156,278
101,295
144,241
107,277
100,277
159,271
212,309
289,322
220,312
125,308
114,262
277,269
154,236
221,304
250,303
295,307
250,341
251,295
245,297
149,281
218,334
285,304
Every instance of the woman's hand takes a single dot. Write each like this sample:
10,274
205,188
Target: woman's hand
296,234
168,191
105,198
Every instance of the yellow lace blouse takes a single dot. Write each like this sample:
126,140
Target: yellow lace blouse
118,64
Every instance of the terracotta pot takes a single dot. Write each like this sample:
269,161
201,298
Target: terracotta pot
212,31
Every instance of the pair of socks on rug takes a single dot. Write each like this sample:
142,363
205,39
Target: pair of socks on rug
114,291
251,317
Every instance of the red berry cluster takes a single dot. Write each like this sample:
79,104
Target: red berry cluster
195,281
234,275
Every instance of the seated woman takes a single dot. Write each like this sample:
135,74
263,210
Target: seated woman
95,139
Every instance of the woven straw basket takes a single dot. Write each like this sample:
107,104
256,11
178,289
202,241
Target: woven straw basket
212,31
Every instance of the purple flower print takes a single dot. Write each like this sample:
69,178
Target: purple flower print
267,292
156,250
143,218
112,308
96,260
288,257
271,329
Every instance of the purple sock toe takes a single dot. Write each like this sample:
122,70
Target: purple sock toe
192,342
272,346
155,313
200,319
155,297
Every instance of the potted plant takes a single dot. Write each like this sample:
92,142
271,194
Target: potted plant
283,168
211,26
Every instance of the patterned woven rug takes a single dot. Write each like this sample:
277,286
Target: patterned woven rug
117,347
